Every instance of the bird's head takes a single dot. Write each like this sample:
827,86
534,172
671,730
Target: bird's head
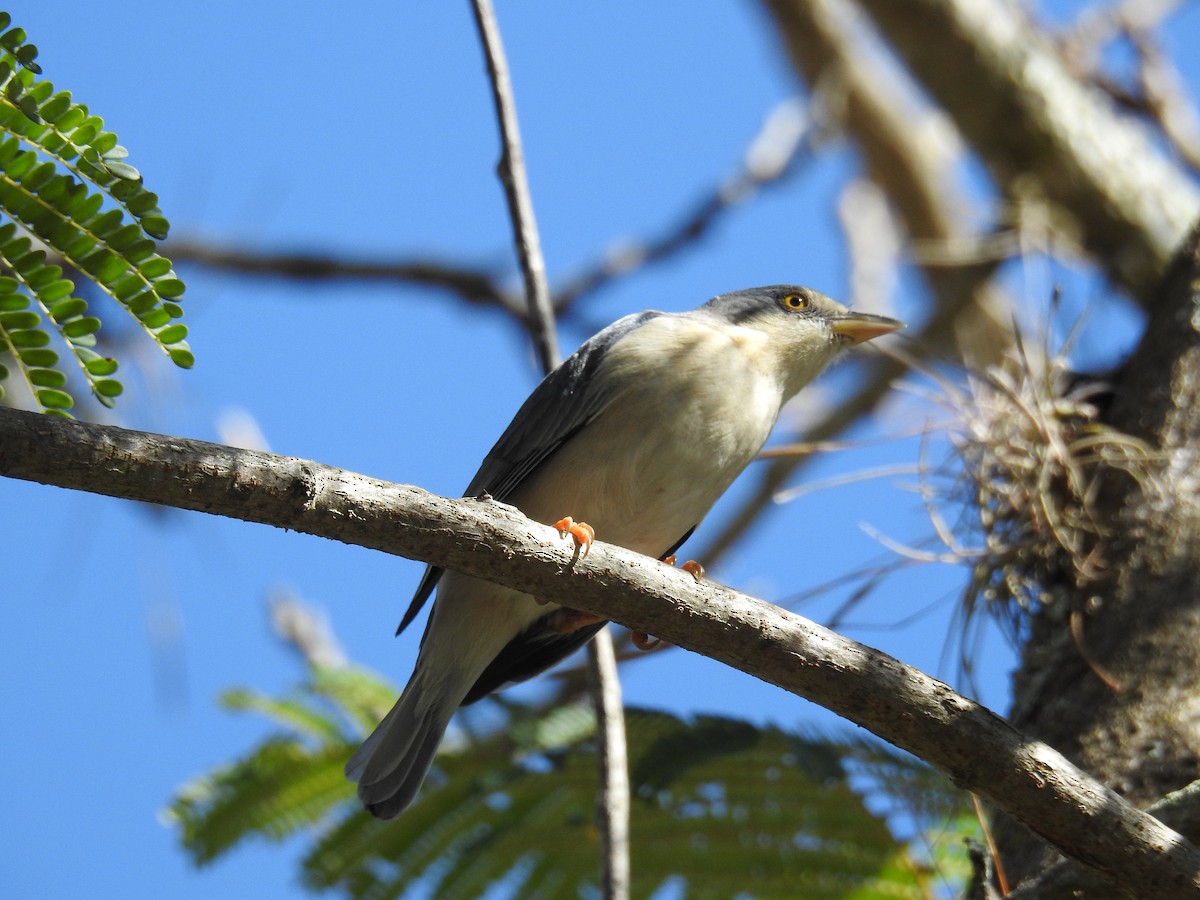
797,330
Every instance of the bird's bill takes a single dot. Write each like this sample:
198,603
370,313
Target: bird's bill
858,327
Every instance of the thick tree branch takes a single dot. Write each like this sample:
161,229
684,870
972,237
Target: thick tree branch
1179,810
906,151
977,749
1044,136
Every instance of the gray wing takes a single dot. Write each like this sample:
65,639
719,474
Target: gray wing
565,401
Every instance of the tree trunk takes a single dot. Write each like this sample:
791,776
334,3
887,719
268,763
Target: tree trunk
1140,621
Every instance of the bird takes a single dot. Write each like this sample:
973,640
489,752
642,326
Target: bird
637,434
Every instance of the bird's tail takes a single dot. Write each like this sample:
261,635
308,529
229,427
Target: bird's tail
472,623
391,764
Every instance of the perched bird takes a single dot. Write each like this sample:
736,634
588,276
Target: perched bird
637,434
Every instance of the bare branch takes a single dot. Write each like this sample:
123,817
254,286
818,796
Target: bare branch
1179,810
475,286
305,629
975,748
785,140
516,189
1046,138
1154,89
1166,99
911,153
612,800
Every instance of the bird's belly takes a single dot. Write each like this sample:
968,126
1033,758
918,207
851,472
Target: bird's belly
644,479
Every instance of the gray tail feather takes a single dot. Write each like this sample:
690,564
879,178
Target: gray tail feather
391,764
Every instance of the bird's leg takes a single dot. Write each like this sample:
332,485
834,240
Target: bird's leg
583,534
564,620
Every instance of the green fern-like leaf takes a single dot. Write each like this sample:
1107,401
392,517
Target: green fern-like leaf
298,714
66,191
722,807
360,697
279,788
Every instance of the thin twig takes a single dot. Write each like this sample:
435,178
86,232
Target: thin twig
476,286
785,141
511,170
993,853
612,800
612,807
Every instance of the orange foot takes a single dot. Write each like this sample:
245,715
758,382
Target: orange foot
583,534
646,642
692,567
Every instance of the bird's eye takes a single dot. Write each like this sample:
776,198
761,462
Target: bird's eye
795,302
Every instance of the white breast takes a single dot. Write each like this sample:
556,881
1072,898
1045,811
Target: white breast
696,405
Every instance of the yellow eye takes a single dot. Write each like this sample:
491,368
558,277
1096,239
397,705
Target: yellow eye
795,301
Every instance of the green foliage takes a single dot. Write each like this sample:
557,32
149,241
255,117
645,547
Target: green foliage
66,192
721,807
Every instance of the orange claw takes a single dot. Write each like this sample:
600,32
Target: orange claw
692,567
644,641
583,533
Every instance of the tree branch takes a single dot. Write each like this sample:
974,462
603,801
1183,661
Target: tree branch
786,140
906,152
975,748
612,762
475,286
1179,810
1043,135
516,189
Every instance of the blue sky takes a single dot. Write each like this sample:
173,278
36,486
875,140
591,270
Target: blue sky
370,133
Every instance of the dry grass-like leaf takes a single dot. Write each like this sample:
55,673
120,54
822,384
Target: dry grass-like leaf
1031,456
